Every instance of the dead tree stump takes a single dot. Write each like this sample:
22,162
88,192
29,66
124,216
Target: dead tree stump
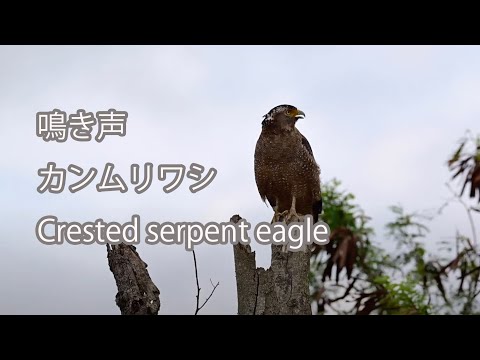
137,294
282,289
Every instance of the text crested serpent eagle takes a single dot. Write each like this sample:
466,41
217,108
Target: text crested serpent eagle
286,172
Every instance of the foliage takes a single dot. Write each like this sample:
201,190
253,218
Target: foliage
465,162
353,275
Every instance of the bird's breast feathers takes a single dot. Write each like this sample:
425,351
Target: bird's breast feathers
284,148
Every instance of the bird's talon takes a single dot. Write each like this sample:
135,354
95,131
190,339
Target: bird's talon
293,217
284,215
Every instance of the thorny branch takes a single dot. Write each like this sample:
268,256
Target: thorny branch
198,308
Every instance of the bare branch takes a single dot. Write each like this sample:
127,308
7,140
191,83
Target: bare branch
209,296
198,307
196,277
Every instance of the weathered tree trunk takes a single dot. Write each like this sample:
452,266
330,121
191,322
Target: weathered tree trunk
281,289
137,294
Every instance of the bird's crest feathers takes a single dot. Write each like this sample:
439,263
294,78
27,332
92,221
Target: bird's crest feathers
277,109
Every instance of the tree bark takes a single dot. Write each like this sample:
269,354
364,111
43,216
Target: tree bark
282,289
137,294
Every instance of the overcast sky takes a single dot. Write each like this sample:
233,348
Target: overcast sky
382,119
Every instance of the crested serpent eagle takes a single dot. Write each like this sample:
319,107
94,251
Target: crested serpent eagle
286,172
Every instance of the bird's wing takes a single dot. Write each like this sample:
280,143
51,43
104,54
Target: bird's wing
307,145
317,207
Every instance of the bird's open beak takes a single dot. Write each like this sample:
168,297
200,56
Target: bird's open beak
300,114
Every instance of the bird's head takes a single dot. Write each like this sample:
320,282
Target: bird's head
282,116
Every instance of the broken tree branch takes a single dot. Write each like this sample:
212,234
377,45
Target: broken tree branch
137,294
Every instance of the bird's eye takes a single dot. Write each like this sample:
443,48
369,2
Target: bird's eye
288,112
